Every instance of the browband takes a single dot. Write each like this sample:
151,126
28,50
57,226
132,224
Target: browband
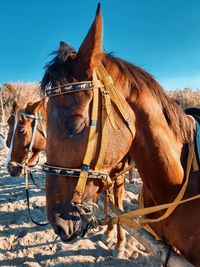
70,88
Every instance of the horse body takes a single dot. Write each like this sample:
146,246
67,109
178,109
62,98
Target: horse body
158,144
160,150
22,136
160,156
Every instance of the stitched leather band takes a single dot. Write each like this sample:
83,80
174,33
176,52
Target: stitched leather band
72,172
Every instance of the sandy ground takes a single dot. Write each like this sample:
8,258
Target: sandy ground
24,244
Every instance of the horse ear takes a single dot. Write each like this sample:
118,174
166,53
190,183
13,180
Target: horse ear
32,108
37,106
90,50
65,51
15,106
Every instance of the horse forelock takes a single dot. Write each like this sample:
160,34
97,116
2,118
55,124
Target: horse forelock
55,68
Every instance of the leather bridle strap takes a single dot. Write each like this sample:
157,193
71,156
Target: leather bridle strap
89,150
28,200
73,172
33,135
129,217
108,83
72,88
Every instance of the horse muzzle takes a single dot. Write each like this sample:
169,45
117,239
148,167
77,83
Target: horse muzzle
67,229
14,169
8,140
81,220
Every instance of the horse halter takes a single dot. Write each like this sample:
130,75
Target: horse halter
103,85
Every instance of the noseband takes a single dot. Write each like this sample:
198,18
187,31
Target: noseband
103,85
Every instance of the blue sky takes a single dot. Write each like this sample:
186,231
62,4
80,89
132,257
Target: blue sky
161,36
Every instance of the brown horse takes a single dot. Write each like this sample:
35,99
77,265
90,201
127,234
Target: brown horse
158,142
22,136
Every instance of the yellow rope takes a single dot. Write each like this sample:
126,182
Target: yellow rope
127,218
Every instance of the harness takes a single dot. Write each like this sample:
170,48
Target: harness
105,87
108,93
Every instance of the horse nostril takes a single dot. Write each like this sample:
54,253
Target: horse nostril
57,229
8,143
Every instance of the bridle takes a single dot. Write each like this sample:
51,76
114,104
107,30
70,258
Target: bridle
37,120
101,84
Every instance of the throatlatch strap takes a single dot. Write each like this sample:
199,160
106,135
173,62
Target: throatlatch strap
89,150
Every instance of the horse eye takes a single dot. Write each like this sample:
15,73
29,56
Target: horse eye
22,131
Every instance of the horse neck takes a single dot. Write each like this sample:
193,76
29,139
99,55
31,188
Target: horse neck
157,149
162,129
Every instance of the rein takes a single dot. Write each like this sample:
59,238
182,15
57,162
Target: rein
27,173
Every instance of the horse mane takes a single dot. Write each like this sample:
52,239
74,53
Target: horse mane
139,79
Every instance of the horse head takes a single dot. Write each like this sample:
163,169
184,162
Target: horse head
28,138
69,120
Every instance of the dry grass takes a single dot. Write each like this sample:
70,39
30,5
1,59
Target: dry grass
187,97
30,92
19,92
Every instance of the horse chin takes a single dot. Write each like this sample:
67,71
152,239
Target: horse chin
63,232
66,239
